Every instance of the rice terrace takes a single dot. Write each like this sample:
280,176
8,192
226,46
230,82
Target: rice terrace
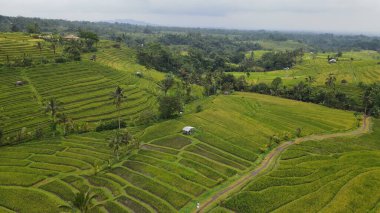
172,115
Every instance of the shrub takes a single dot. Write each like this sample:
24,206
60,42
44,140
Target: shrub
1,134
117,46
146,117
199,108
61,60
39,134
298,132
110,125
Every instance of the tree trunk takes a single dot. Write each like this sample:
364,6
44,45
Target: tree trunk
119,118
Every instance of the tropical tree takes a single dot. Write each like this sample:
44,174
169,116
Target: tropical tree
118,98
330,81
166,83
39,46
53,46
64,120
83,202
169,106
118,140
1,134
310,79
371,100
276,83
53,106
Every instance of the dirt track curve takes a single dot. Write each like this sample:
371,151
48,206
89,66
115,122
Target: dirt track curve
270,158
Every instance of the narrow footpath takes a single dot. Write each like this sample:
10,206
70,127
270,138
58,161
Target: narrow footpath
270,159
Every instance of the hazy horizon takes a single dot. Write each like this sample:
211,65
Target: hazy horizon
335,16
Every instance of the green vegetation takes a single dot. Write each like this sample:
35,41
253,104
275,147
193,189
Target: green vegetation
327,176
170,170
58,150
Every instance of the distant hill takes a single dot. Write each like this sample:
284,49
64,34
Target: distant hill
129,21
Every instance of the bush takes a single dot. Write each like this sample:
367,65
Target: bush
199,109
39,134
110,125
1,134
61,60
146,117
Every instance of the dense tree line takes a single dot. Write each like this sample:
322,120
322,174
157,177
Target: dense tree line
177,35
280,60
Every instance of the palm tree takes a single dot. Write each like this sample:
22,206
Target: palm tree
330,81
39,46
52,106
310,79
118,140
64,120
83,201
53,46
118,98
166,83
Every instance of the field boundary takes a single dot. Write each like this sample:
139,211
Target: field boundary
269,161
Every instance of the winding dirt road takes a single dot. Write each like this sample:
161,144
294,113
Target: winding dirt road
271,158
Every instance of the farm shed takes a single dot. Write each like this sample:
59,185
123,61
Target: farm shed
188,130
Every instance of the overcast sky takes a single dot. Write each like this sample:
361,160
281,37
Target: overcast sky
353,16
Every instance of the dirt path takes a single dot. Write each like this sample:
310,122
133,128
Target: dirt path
271,158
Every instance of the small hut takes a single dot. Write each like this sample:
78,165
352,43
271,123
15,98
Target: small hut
188,130
19,83
139,74
332,61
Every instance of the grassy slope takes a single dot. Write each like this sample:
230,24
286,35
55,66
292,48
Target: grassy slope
364,69
16,45
83,87
340,175
170,170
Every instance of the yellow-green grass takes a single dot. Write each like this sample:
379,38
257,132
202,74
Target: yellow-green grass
19,105
84,88
18,45
336,175
170,170
364,68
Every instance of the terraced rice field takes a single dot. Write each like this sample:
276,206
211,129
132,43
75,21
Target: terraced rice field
16,45
364,68
84,88
124,60
325,176
20,105
170,171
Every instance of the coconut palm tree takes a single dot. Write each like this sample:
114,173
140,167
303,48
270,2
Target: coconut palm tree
118,98
53,46
64,120
52,106
83,202
166,83
39,46
330,81
118,140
